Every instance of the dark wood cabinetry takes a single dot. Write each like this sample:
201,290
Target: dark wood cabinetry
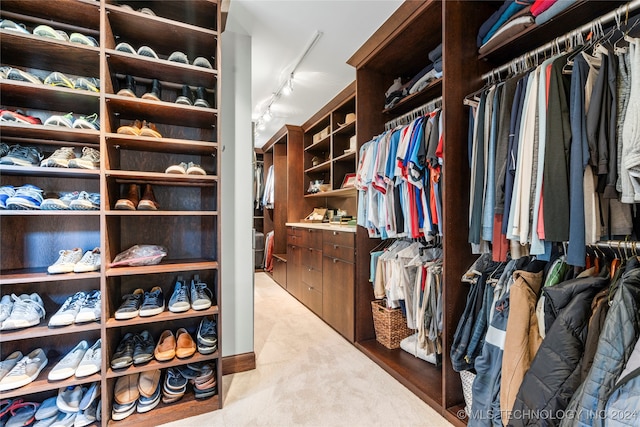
338,279
187,222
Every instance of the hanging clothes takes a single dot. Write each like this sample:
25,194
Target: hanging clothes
268,198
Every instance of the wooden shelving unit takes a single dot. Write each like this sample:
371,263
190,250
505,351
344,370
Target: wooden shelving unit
187,224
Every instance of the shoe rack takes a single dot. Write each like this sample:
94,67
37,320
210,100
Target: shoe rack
187,221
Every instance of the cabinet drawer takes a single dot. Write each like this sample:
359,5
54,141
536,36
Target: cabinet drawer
312,298
312,238
294,231
337,251
293,239
342,238
280,271
311,258
312,276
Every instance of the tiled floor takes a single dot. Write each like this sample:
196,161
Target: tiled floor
308,375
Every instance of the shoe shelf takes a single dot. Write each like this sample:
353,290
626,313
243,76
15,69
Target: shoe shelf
42,384
49,172
344,192
408,103
346,157
43,330
40,275
155,364
201,13
85,14
346,129
161,213
49,54
186,407
54,135
151,68
322,167
167,266
48,213
167,145
135,27
44,97
322,145
163,112
165,316
123,177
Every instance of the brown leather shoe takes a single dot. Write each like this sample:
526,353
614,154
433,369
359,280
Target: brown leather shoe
148,201
126,389
166,348
186,344
149,382
149,129
132,129
130,201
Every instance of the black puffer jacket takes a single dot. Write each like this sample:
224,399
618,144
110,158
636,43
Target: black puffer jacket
619,334
554,374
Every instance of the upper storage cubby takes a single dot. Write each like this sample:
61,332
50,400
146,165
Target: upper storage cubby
201,13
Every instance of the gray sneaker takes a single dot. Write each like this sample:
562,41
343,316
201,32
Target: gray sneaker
85,202
66,315
90,158
25,371
66,367
59,159
6,304
22,156
147,51
91,307
27,311
6,24
7,364
201,295
91,361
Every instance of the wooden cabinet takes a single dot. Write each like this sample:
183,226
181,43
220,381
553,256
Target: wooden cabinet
186,223
330,146
338,281
280,271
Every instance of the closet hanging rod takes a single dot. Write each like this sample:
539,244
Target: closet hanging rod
615,244
415,113
621,11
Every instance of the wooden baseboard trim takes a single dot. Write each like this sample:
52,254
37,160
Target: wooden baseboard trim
238,363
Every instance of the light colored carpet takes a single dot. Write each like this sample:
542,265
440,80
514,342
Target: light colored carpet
308,375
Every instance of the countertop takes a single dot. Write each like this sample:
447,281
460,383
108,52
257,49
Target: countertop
323,226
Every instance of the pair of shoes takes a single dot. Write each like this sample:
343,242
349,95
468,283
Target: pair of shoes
81,307
82,83
205,382
149,389
129,89
19,413
140,129
91,122
77,201
125,396
198,296
186,169
47,31
24,311
19,155
72,260
186,97
19,75
132,200
180,57
6,24
140,303
174,386
81,361
73,399
25,371
6,191
65,157
27,197
16,117
207,335
133,349
88,409
142,51
169,346
144,10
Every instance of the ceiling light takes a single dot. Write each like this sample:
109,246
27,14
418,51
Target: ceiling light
288,87
261,125
267,115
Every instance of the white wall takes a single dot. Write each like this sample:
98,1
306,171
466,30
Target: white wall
237,186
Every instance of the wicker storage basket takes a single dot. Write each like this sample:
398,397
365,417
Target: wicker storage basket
390,325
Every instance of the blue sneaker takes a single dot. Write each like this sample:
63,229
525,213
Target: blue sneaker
60,203
27,197
6,191
22,156
86,202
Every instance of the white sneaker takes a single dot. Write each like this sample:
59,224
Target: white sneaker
69,399
27,311
7,364
6,304
89,262
66,262
25,371
66,315
66,367
91,361
91,308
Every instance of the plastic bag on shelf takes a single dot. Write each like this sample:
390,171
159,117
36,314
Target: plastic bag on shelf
138,255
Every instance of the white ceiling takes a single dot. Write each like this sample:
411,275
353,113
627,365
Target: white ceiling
280,31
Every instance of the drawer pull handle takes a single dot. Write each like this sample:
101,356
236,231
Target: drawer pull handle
310,231
335,233
310,288
335,260
310,249
335,246
310,269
